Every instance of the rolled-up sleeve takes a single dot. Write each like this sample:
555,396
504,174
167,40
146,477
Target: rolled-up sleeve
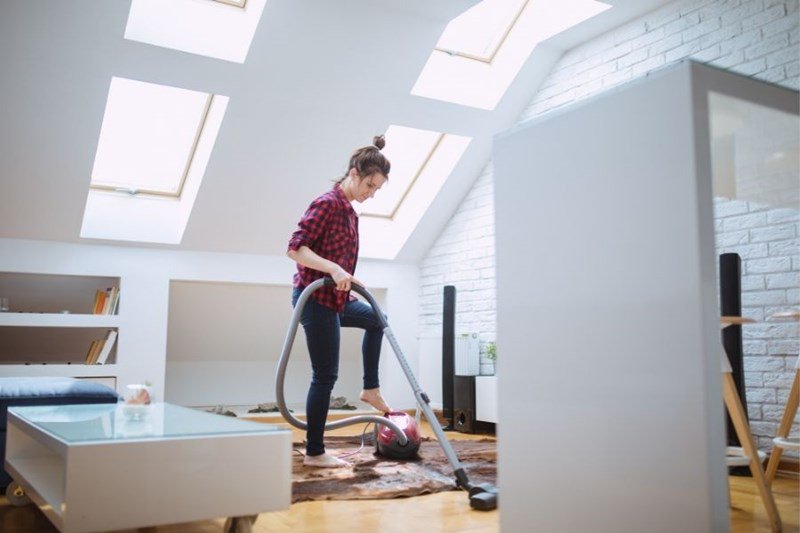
312,225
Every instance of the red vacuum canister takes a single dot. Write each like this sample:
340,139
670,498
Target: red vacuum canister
387,442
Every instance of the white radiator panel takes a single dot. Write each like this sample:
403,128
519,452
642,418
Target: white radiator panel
467,356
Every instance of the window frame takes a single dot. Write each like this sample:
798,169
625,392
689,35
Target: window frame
490,58
241,4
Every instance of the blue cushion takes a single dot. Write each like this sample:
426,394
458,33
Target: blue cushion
45,391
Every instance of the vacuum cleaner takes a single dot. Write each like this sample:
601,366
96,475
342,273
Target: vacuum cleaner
387,442
397,435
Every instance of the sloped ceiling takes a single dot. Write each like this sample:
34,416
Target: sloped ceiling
321,78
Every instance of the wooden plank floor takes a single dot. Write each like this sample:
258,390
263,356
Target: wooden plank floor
747,511
443,512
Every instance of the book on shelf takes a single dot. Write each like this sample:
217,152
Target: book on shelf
94,351
100,349
106,302
113,301
108,344
99,300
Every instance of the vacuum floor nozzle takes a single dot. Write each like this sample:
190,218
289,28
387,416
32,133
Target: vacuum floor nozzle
483,497
485,501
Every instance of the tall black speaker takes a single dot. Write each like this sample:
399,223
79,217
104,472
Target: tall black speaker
730,295
464,404
448,353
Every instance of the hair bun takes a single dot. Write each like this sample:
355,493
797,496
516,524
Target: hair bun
379,141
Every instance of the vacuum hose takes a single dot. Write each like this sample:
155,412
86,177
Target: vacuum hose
482,496
287,349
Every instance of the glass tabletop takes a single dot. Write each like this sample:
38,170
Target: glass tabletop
103,422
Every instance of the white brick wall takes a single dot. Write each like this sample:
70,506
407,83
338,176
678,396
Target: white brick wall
756,38
463,256
768,241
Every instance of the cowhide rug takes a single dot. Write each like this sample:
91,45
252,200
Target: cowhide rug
376,477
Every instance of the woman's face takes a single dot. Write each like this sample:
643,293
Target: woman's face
366,187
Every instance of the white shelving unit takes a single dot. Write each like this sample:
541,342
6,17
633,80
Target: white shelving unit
105,374
58,320
50,326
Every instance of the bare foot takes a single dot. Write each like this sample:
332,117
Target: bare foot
374,398
325,461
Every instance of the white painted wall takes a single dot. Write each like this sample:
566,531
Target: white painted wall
758,38
429,375
610,364
224,334
144,312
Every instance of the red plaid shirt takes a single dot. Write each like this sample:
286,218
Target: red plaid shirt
329,228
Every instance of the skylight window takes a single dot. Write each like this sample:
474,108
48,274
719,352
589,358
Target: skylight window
222,29
410,151
481,51
422,161
155,143
161,123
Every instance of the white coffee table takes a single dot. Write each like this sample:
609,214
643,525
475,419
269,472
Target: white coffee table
101,467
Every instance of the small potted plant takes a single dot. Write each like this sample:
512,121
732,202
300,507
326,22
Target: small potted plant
488,358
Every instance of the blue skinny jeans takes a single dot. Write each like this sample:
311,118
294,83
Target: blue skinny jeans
322,327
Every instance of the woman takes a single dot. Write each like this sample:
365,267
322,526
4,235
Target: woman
326,244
